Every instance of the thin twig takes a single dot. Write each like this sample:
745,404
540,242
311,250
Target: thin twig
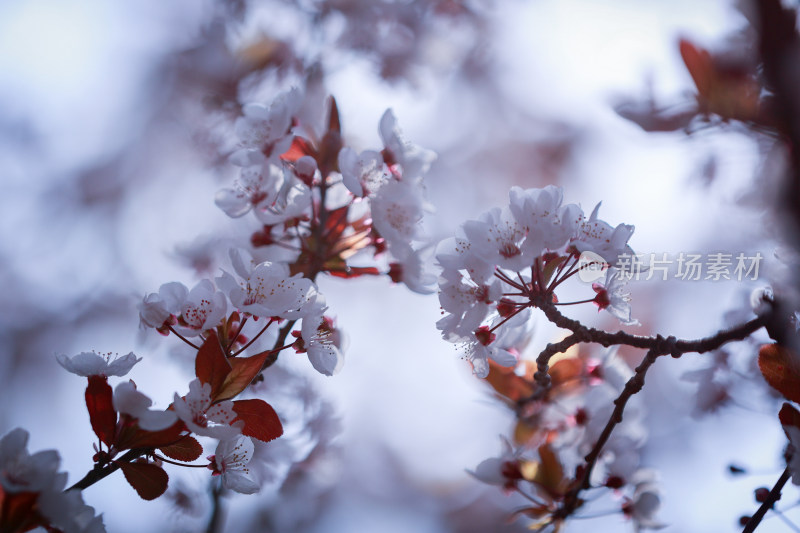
774,496
634,385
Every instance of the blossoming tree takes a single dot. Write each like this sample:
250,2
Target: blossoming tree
313,204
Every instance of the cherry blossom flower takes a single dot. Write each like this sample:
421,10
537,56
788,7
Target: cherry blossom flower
159,310
497,238
292,201
22,472
500,347
612,297
201,417
549,225
67,511
466,304
363,174
203,308
397,209
322,341
130,401
410,269
504,471
257,188
456,254
93,364
268,290
646,502
599,237
231,461
413,160
266,129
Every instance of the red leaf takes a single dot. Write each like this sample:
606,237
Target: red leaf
698,63
260,419
99,403
244,369
132,436
299,148
781,368
211,365
187,449
17,509
148,480
334,124
789,416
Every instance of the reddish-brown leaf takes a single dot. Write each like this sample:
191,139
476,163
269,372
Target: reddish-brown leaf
17,511
299,148
260,419
334,124
781,368
507,383
211,365
243,370
698,63
99,403
549,475
187,449
132,436
148,480
789,416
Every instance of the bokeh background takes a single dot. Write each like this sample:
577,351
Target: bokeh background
115,122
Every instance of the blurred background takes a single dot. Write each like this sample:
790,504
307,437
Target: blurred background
115,125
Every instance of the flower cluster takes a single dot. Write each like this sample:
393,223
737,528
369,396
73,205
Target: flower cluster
514,258
563,425
32,491
324,205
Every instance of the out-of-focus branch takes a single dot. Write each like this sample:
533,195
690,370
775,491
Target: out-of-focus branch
774,496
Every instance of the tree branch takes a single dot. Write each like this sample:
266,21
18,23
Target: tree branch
774,496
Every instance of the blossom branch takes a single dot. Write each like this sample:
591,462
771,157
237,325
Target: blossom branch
581,333
101,471
633,386
774,496
543,361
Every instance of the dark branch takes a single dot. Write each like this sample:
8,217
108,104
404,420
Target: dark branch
774,496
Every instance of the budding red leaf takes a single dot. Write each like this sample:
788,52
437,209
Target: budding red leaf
260,419
211,366
243,371
187,449
99,403
781,368
147,479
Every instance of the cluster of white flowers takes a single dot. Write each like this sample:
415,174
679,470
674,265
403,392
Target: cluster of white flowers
573,422
278,191
527,247
32,485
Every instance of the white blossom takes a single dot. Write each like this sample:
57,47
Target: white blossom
231,461
201,417
130,401
413,160
268,290
93,364
363,174
323,342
